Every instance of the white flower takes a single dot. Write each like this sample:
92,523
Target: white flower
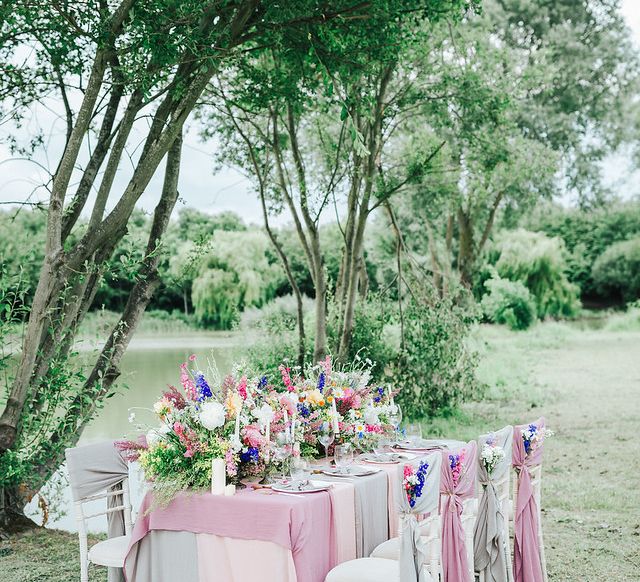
236,444
132,416
264,414
371,415
153,437
212,415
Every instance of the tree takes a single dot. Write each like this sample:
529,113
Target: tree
318,138
127,65
537,96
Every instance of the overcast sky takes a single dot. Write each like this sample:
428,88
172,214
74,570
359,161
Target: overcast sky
226,190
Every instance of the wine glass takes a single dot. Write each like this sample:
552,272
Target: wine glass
298,468
380,447
282,451
326,436
414,432
343,457
395,418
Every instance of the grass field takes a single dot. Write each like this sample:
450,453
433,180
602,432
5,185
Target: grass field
585,382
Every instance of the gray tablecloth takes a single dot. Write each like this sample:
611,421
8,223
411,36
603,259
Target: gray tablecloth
371,509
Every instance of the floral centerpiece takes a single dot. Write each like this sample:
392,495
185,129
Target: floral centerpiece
229,418
457,464
342,398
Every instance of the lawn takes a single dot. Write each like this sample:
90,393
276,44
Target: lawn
585,382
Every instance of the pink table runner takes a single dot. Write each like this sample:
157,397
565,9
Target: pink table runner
301,523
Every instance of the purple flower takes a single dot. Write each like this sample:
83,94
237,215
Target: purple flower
203,388
321,381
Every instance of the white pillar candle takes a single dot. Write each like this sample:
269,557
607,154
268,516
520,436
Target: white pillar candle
286,419
230,489
267,455
336,426
218,476
293,429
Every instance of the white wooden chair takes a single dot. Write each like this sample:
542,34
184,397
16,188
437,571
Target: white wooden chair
536,483
111,552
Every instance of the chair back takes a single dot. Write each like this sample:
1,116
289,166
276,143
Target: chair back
458,489
492,556
414,536
99,472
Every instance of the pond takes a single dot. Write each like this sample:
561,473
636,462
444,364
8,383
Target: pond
148,366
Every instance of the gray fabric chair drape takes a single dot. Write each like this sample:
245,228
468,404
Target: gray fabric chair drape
96,468
413,551
489,544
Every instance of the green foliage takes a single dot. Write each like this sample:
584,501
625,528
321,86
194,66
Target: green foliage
587,233
508,302
617,270
436,369
538,262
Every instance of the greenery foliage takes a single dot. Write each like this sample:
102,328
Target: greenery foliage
508,302
538,262
617,270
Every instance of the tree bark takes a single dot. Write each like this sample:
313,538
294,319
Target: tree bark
465,250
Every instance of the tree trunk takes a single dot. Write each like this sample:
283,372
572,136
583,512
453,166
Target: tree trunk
466,249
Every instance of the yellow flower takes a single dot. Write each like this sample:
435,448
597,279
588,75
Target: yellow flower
233,404
315,397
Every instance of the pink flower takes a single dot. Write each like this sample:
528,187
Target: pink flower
242,387
192,358
187,383
232,467
288,404
286,378
252,436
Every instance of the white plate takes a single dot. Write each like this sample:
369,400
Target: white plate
293,487
429,444
386,458
353,471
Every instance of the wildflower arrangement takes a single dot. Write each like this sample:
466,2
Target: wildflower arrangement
358,412
456,462
235,417
413,481
229,418
491,454
533,437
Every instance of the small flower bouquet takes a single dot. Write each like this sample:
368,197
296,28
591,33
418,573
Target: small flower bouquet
533,436
413,481
456,462
491,455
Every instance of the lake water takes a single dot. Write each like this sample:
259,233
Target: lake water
148,366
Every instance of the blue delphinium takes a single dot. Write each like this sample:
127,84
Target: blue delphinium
321,381
303,410
380,391
203,388
252,454
263,383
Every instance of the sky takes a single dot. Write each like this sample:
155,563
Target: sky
227,190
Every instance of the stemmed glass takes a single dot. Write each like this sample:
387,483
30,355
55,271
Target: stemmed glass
299,467
326,436
281,451
414,432
395,418
380,447
343,457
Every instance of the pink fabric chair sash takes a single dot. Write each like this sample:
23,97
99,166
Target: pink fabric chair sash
455,567
526,548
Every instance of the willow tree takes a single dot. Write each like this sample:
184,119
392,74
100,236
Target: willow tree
318,136
118,69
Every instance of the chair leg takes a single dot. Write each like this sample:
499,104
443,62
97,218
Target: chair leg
543,559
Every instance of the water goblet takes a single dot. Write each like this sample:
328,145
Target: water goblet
343,457
326,436
414,432
299,468
282,452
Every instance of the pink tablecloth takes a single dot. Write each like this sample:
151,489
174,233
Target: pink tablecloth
303,524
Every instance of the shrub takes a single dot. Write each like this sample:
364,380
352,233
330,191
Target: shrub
538,262
508,302
436,369
617,270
